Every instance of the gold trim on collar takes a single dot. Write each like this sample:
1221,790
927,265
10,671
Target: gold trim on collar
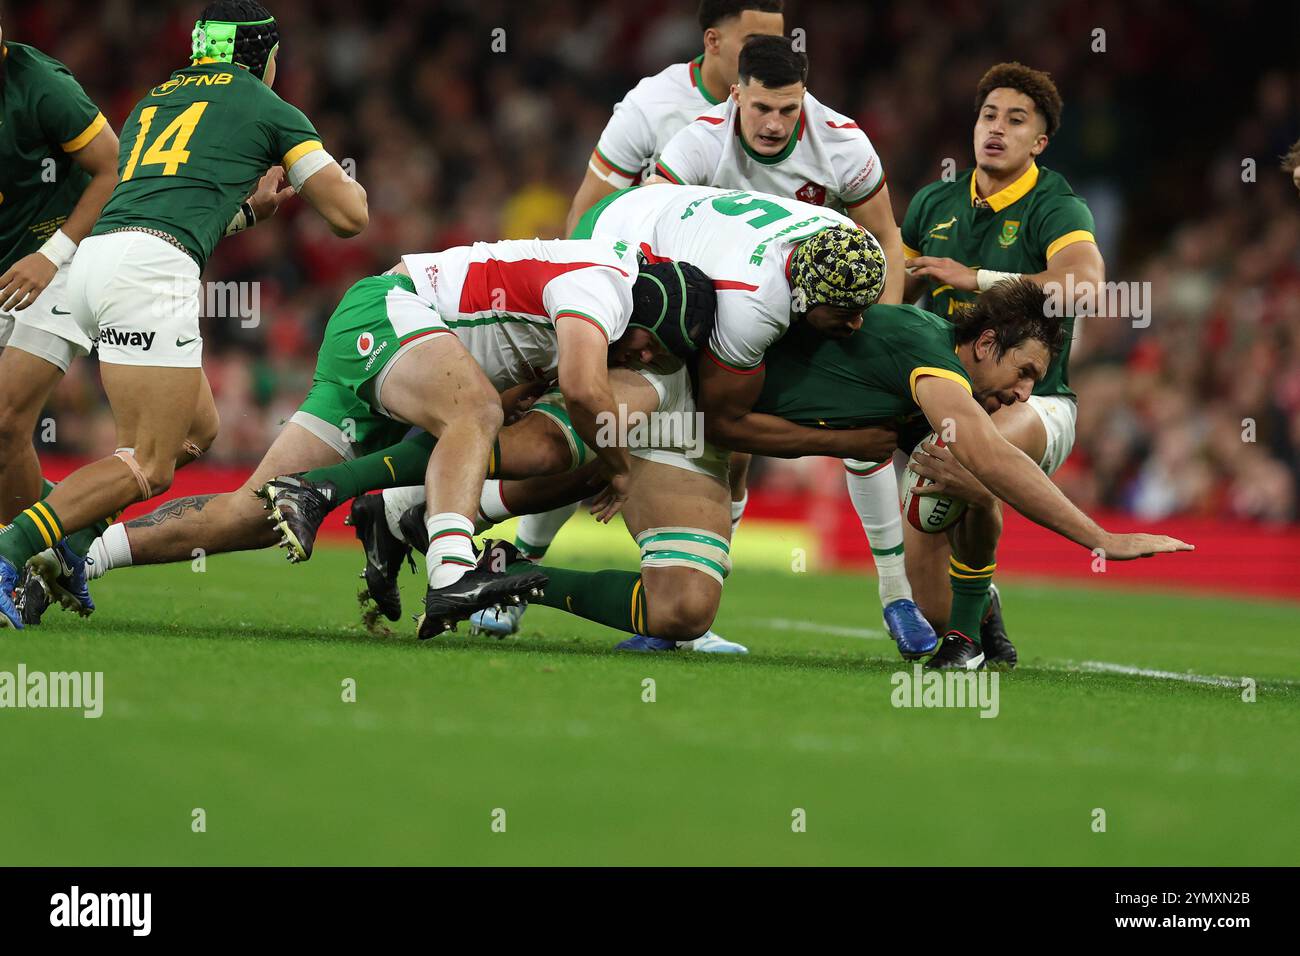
1003,198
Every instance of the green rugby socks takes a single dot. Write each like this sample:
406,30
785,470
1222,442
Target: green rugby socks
397,466
393,467
31,532
613,598
970,597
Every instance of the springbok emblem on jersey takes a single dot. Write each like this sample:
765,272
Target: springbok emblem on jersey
941,225
1010,231
811,193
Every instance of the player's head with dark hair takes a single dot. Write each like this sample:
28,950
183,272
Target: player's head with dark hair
728,24
772,61
1291,161
1017,110
713,12
674,307
1006,340
769,95
241,32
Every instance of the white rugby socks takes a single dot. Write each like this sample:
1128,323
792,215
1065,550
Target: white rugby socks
738,512
536,532
874,493
396,502
110,550
492,507
451,550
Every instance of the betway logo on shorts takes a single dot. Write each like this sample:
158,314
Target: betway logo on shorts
136,340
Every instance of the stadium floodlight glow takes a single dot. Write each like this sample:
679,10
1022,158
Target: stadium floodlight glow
215,40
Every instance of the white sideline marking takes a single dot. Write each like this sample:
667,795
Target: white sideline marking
1093,667
1214,680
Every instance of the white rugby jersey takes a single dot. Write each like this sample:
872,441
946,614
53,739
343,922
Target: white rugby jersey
828,162
503,299
646,119
742,241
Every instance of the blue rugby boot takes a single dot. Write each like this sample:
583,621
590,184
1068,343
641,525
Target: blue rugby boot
909,629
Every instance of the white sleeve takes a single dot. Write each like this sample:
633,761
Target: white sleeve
743,333
626,147
691,157
863,173
599,294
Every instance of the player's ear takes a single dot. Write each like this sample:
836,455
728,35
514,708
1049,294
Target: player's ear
712,40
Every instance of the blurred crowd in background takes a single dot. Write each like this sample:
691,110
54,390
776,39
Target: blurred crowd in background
457,140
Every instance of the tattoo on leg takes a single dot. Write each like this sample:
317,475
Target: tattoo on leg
171,509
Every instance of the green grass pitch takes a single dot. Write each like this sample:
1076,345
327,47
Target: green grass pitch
223,691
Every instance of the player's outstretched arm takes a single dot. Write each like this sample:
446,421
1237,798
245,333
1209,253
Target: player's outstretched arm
340,200
727,400
1010,474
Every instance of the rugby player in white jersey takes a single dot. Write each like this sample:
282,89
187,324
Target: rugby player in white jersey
757,250
656,108
641,124
773,135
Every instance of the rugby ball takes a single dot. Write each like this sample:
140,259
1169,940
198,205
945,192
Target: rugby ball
928,513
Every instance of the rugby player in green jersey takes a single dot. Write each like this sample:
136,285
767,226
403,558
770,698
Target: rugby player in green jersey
192,150
905,368
58,165
1005,217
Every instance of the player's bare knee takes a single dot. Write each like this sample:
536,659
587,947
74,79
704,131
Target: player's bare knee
695,613
553,453
484,414
16,426
203,432
159,474
681,616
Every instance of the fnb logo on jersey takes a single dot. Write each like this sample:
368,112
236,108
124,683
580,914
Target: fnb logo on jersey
365,344
202,79
141,340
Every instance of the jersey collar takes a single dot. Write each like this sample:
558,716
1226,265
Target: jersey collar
1008,195
785,151
697,80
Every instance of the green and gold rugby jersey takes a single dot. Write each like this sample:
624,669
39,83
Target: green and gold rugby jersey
45,116
867,379
1015,230
193,149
